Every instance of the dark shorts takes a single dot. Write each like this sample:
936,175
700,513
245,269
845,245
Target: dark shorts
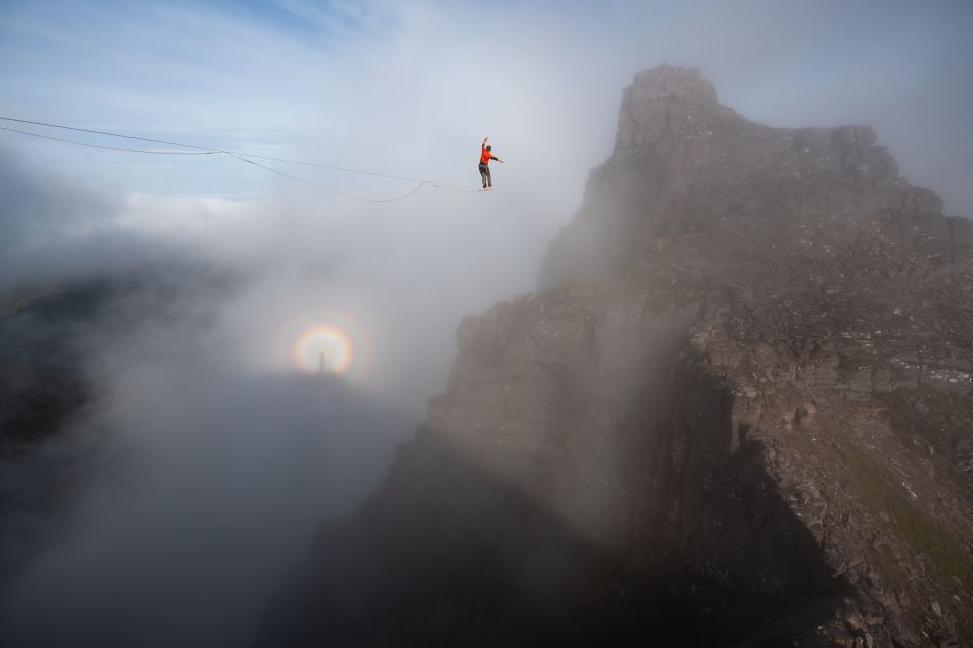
485,175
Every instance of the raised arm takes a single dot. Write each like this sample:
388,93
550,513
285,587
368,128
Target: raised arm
484,142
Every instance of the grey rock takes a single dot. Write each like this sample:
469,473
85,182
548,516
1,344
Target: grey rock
748,366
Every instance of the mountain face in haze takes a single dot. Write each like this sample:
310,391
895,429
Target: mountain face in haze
739,414
51,443
47,330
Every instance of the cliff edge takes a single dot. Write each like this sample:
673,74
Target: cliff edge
739,413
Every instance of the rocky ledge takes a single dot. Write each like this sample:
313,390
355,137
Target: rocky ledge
739,413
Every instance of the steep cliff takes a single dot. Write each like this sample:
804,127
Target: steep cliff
739,413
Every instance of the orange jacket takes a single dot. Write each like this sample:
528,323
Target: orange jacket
485,155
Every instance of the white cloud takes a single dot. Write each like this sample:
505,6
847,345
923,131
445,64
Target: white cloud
402,89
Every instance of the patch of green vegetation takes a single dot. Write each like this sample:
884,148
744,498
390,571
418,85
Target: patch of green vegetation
878,489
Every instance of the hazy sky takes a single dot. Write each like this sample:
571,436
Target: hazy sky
410,89
406,88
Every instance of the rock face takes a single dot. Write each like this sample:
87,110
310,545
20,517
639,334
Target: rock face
738,414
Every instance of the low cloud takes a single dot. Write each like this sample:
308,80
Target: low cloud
212,459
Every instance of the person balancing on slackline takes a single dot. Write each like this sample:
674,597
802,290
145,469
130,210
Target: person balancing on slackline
484,166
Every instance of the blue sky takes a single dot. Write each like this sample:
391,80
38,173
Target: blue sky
350,82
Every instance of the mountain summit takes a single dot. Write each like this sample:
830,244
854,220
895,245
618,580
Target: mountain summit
739,413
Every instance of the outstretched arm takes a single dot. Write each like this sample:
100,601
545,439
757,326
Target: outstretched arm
484,142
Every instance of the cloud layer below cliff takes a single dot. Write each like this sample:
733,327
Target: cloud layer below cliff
220,459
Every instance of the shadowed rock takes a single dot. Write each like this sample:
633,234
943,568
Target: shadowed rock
739,413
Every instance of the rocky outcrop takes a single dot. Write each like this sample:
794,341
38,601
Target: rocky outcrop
739,413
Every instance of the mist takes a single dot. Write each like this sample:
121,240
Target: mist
209,456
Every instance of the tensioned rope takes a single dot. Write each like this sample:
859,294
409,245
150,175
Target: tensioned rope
36,345
199,150
243,157
98,132
205,152
108,148
421,184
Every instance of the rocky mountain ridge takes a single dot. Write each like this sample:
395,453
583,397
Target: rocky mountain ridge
738,414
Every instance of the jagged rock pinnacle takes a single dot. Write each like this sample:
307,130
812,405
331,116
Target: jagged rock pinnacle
663,100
